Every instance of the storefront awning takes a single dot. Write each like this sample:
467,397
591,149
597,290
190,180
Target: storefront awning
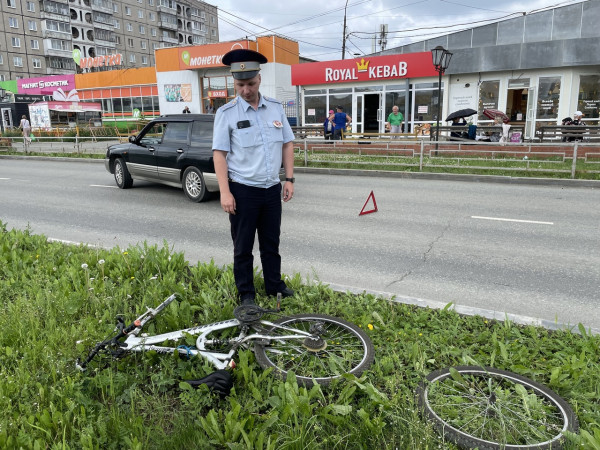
75,107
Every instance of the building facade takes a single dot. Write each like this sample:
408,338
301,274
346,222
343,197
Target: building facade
537,68
39,37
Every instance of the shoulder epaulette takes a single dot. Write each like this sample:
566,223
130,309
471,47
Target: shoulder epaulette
271,99
229,105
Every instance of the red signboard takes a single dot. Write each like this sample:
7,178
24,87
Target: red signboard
376,68
218,94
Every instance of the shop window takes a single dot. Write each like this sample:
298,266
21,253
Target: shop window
117,105
126,105
588,101
548,97
147,105
136,103
488,97
315,109
395,99
426,102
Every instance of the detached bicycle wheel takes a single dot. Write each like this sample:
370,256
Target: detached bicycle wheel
491,408
336,348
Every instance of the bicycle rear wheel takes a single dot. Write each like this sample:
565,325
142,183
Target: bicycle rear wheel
338,347
491,408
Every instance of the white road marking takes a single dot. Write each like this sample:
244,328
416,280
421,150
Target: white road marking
102,185
4,178
512,220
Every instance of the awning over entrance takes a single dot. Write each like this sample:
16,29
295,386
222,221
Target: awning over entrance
70,106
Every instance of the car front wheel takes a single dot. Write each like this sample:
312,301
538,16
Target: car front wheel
122,175
193,185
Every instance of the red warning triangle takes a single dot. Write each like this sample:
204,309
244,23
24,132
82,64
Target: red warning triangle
370,197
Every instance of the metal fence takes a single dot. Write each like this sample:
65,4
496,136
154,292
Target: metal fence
576,161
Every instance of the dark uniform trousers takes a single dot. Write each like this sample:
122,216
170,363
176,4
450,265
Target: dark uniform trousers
257,210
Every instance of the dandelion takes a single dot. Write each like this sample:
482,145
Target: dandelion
84,266
485,321
125,253
101,262
154,277
133,278
37,256
420,334
92,279
370,326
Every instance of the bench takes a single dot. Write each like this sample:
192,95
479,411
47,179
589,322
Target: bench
568,133
446,130
302,132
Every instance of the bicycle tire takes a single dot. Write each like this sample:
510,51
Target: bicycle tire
345,349
487,408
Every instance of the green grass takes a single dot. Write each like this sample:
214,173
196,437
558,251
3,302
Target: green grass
56,300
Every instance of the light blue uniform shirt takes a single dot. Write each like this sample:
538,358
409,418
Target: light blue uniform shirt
254,154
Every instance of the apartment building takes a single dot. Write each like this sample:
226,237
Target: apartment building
38,37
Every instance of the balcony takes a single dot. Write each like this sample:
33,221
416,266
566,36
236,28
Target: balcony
102,6
52,34
104,26
167,25
169,40
59,53
166,9
106,43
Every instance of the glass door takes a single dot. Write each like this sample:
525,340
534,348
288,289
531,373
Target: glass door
530,119
358,113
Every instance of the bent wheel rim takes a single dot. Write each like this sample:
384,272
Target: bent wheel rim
496,409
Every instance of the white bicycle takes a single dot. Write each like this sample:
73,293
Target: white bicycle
315,347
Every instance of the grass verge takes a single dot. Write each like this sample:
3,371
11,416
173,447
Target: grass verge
57,300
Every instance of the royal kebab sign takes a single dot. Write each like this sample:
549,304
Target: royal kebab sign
376,68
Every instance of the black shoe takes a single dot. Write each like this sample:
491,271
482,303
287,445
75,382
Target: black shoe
248,300
287,292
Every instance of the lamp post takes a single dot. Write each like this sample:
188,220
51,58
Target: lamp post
441,60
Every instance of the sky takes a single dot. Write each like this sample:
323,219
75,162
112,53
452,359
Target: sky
318,25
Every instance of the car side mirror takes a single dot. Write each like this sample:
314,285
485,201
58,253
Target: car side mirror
132,139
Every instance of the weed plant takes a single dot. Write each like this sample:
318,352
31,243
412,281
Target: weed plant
58,300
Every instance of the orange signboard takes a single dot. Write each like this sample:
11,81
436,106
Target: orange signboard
209,55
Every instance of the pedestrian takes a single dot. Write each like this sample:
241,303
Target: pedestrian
577,134
394,121
209,108
328,126
340,121
26,127
251,140
186,110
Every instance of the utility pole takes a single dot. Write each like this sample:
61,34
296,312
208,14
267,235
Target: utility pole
344,33
383,36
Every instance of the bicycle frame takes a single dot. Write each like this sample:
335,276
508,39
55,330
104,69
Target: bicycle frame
144,343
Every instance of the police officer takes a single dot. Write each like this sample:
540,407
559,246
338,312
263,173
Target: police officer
251,140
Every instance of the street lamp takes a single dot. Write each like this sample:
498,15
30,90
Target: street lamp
441,60
2,94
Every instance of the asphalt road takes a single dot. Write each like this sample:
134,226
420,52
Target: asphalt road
518,249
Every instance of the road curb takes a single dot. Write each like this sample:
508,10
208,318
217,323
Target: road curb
466,310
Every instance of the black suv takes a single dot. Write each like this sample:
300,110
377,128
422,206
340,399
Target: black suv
175,150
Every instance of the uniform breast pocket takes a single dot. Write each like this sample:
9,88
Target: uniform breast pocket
244,137
275,133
